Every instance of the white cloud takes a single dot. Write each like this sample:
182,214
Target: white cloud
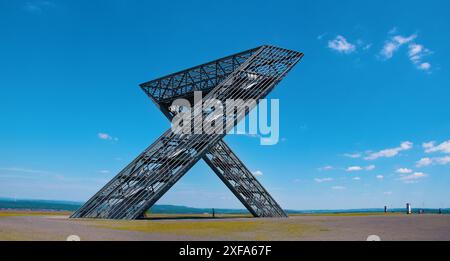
380,177
338,188
443,147
356,178
393,44
442,160
341,45
104,171
428,145
404,170
394,30
370,167
354,168
404,40
388,50
413,178
319,180
352,155
433,161
416,53
106,136
415,50
387,193
257,173
388,153
424,66
423,162
325,168
359,168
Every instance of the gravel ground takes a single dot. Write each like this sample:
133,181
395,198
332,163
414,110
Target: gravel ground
391,227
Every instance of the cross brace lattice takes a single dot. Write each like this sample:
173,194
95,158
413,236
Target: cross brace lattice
248,75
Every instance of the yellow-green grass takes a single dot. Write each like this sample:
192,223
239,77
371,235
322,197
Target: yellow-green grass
194,216
14,213
256,229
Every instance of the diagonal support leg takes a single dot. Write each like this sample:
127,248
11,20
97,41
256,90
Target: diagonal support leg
159,167
242,182
238,178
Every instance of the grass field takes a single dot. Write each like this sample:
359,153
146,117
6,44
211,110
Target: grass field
42,225
224,229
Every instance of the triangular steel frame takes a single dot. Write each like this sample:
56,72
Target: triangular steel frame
145,180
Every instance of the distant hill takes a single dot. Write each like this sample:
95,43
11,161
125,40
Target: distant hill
53,205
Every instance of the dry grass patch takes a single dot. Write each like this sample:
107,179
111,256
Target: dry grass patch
257,229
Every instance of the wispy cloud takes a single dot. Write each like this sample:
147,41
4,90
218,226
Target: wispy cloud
393,45
359,168
37,7
106,136
321,180
354,168
367,46
104,171
380,177
325,168
424,162
424,66
29,173
431,147
413,178
257,173
370,167
25,170
356,178
321,36
416,52
353,155
338,188
442,160
404,170
297,180
394,30
388,153
341,45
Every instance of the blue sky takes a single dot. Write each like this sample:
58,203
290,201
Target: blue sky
359,114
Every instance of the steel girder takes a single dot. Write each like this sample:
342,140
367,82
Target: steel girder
140,184
238,178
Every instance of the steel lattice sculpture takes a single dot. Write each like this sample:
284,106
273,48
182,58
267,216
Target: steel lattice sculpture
145,180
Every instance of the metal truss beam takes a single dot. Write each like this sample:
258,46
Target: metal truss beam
138,186
237,177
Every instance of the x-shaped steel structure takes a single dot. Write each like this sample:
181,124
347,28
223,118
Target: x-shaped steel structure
247,75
